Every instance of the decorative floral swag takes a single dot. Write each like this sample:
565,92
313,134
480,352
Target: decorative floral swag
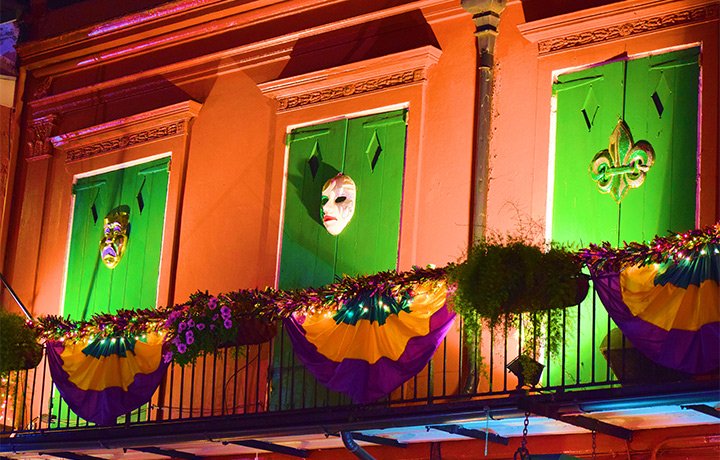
205,322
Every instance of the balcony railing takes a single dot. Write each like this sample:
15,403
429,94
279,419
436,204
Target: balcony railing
266,378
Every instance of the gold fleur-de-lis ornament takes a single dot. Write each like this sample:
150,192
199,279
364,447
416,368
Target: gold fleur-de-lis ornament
623,165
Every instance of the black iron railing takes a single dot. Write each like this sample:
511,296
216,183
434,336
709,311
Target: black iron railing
267,378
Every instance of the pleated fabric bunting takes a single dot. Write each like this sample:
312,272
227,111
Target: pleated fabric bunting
669,311
372,343
103,380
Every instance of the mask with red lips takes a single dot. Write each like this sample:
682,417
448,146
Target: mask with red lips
338,203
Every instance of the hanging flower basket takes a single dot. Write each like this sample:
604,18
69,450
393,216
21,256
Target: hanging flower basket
509,281
252,331
207,323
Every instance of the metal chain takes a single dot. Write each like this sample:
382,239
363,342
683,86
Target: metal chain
594,443
522,453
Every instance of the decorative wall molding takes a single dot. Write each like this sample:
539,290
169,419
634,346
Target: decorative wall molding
155,125
38,134
394,70
350,89
616,21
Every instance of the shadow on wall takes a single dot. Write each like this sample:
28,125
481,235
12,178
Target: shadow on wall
354,44
312,203
541,9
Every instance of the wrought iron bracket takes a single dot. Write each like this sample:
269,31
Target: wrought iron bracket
582,421
390,442
471,433
703,408
172,453
270,447
71,455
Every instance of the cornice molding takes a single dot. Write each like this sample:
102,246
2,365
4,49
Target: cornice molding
615,21
371,75
63,58
155,125
186,21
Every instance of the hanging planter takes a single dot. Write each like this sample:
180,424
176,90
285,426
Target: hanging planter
19,348
206,323
252,331
504,278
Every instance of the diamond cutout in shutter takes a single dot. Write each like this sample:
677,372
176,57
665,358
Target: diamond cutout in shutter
93,210
139,197
590,109
373,151
662,93
315,160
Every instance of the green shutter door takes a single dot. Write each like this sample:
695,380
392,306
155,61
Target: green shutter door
91,286
371,150
657,98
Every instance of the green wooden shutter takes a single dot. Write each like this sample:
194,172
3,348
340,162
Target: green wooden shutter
308,251
657,98
589,103
93,288
661,108
371,150
374,158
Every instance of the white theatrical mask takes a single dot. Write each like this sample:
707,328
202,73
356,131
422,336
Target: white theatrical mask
338,203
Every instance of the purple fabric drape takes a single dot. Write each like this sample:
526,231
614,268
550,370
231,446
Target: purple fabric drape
102,407
366,382
692,351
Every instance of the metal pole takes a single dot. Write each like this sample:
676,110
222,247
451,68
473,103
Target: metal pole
486,17
17,299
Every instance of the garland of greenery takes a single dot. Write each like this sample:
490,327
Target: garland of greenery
676,246
225,311
204,322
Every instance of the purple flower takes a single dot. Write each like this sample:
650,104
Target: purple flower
172,318
190,323
182,326
189,337
227,323
200,326
167,356
212,327
225,312
212,303
182,348
215,317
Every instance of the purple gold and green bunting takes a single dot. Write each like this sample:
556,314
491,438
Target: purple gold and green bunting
670,310
107,378
370,345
